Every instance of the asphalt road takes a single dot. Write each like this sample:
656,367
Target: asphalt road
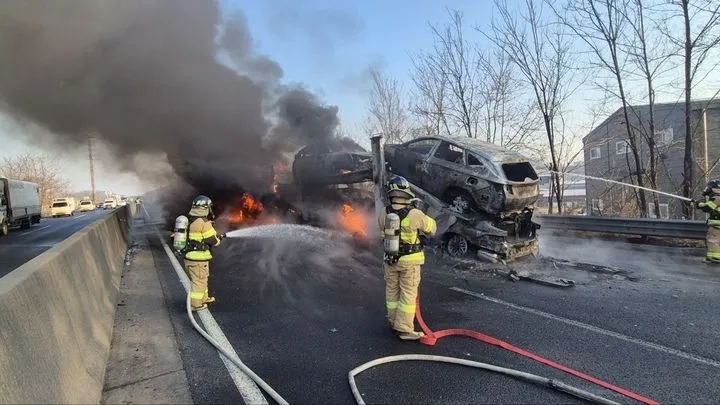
303,312
21,245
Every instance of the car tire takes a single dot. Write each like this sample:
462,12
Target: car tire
460,202
4,229
457,245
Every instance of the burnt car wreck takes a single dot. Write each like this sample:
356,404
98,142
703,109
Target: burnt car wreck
489,189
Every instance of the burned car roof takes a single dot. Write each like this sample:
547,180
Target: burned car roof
332,145
488,150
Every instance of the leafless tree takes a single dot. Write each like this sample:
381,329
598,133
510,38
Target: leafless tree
649,55
507,119
602,26
40,169
429,95
700,36
541,52
386,107
448,77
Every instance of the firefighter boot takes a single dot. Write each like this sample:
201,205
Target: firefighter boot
414,335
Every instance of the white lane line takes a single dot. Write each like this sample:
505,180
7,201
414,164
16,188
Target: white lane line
34,230
650,345
246,386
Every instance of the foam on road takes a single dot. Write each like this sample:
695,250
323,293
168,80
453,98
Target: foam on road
21,245
302,321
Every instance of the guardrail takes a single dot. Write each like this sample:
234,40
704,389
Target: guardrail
664,228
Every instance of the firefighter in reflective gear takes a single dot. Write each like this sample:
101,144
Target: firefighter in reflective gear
402,270
202,237
711,205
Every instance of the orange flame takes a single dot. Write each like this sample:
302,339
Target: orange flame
248,212
353,222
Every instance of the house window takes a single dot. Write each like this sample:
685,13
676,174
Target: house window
594,153
664,211
597,204
664,136
621,147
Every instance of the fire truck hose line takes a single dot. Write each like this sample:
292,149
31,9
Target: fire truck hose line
245,369
555,384
431,337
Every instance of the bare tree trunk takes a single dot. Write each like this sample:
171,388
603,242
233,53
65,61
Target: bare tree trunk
688,160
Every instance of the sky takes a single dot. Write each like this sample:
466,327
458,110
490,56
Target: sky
326,45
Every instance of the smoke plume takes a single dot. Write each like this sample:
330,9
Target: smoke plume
146,77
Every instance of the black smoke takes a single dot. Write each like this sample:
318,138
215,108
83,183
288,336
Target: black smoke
145,77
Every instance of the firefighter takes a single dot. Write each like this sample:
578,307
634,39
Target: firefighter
201,238
711,205
402,268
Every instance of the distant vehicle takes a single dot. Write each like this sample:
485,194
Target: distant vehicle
87,205
338,161
99,205
123,201
110,203
19,204
62,207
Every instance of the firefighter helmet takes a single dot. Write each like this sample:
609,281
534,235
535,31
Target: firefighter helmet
201,206
712,188
202,202
399,187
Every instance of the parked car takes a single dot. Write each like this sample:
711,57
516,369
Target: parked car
338,161
469,174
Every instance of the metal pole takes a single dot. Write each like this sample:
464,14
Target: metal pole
92,169
378,168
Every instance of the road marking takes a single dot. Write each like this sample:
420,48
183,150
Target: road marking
245,385
27,245
596,329
34,230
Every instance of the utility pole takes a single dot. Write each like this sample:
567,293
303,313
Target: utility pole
92,168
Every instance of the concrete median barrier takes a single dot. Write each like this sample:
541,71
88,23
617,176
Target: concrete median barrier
57,313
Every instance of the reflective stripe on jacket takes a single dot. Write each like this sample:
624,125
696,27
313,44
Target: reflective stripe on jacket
202,231
416,221
712,208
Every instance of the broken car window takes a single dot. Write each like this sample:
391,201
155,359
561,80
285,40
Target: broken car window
449,152
473,161
421,147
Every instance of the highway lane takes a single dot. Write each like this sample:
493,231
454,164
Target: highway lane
21,245
302,314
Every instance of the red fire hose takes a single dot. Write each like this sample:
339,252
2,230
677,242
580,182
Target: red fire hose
431,337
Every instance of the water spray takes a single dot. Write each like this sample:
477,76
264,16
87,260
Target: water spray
624,184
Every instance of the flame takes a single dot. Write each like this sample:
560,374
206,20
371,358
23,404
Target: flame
248,211
353,221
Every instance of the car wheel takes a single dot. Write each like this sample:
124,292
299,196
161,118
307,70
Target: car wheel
457,245
4,229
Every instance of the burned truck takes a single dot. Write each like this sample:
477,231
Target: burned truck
489,189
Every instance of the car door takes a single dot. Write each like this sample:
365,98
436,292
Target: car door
445,168
409,158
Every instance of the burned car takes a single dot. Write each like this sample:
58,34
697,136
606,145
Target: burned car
337,161
491,189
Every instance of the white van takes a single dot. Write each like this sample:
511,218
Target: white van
86,205
110,203
62,207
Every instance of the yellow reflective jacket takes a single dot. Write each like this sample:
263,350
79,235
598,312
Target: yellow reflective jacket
410,227
712,207
201,231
